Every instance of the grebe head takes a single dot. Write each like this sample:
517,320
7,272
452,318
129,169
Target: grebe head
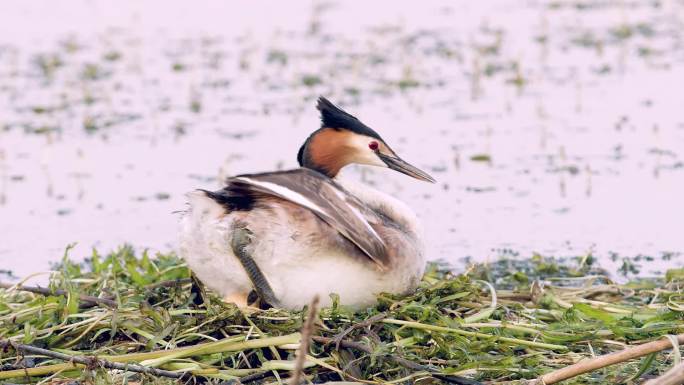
343,139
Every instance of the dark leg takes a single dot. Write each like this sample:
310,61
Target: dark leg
239,243
197,289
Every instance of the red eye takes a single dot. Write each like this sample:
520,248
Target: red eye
373,145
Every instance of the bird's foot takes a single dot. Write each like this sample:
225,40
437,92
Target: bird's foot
239,299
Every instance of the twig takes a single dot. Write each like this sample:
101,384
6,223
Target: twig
363,324
517,341
515,296
674,376
171,283
88,299
226,345
606,360
396,358
367,349
307,332
91,361
254,377
344,343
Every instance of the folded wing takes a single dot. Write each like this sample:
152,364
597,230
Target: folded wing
325,198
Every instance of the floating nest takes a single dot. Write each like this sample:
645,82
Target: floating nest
125,319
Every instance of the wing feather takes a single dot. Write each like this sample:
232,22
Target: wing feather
325,198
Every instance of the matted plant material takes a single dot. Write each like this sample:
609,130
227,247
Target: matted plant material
506,322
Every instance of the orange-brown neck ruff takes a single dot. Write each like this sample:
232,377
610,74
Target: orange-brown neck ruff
329,150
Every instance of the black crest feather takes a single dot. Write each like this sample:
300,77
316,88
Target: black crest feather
300,154
334,117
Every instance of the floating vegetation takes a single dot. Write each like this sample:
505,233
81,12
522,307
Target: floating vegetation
41,129
112,56
481,158
48,64
277,56
92,72
624,31
311,80
92,124
195,105
122,319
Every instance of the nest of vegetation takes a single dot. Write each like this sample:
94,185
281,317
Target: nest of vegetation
122,319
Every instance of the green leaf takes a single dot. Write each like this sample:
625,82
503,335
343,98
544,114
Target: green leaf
674,275
645,365
96,263
28,333
601,315
72,303
137,278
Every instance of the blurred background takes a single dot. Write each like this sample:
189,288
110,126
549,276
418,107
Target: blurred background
553,127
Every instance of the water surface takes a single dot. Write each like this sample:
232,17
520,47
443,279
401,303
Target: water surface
552,127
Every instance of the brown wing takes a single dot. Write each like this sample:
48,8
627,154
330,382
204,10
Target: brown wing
328,200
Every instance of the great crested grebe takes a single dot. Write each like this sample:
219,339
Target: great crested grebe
289,235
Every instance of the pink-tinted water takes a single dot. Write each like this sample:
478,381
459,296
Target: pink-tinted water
552,127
